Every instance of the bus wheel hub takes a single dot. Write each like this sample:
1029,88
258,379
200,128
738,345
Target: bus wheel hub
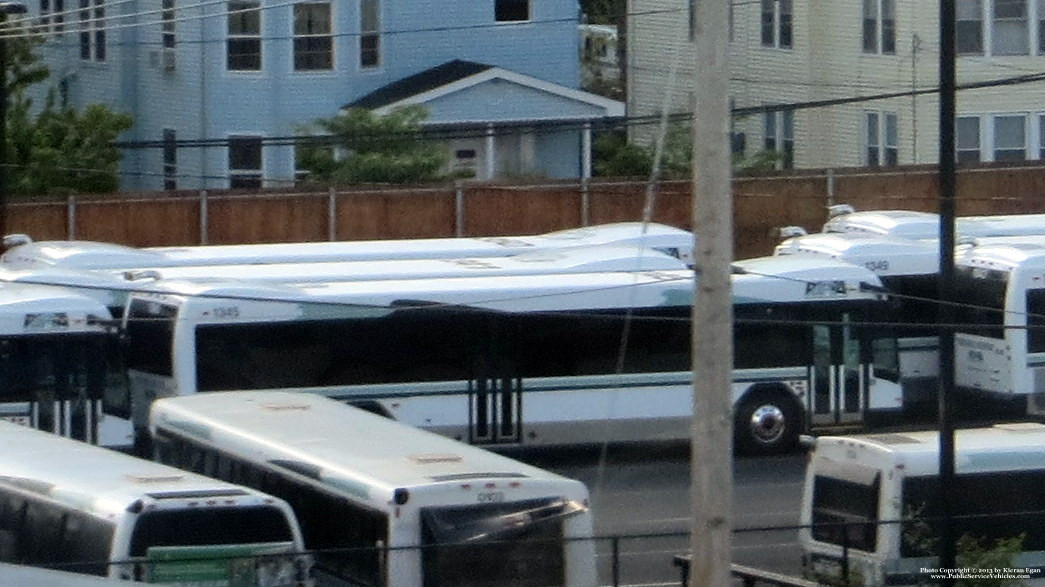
767,423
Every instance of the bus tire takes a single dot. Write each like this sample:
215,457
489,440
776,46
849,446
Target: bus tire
766,422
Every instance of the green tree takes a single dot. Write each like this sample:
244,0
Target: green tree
55,150
63,151
368,148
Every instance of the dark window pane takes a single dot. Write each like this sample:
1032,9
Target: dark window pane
512,10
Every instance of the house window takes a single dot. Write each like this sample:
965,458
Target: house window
1010,33
52,16
1010,138
780,136
170,160
1000,27
167,18
969,27
881,145
776,23
244,162
1041,136
880,26
92,30
1041,27
369,33
511,10
967,139
313,44
244,39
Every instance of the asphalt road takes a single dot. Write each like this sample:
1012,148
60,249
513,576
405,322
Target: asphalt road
642,494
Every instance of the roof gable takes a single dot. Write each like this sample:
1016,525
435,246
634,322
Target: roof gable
460,78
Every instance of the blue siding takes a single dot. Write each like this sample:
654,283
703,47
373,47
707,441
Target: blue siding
200,100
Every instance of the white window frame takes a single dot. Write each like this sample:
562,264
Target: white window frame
996,148
779,16
370,34
1022,24
987,140
170,159
1040,134
52,17
969,13
167,24
243,177
967,146
881,143
977,28
313,38
238,36
879,27
778,132
92,30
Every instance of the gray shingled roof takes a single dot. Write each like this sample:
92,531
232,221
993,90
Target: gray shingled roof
419,83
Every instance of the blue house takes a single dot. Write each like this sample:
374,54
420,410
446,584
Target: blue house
218,90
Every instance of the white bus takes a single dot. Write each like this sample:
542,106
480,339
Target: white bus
385,504
873,500
1000,342
563,359
23,253
926,225
67,505
59,358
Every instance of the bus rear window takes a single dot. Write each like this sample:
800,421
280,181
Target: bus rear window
504,545
210,526
845,511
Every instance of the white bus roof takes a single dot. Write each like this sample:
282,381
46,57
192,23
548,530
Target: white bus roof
93,479
769,279
1003,447
348,448
901,223
111,287
885,255
38,309
573,260
926,225
95,255
1029,256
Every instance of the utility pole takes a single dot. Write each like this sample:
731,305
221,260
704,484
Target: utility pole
711,464
947,164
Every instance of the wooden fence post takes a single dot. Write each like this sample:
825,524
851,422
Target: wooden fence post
331,214
459,208
203,217
70,217
585,201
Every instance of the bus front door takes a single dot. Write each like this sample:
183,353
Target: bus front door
495,407
839,378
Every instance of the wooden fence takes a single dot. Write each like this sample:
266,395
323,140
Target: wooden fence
761,206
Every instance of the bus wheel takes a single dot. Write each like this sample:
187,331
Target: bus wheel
766,422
